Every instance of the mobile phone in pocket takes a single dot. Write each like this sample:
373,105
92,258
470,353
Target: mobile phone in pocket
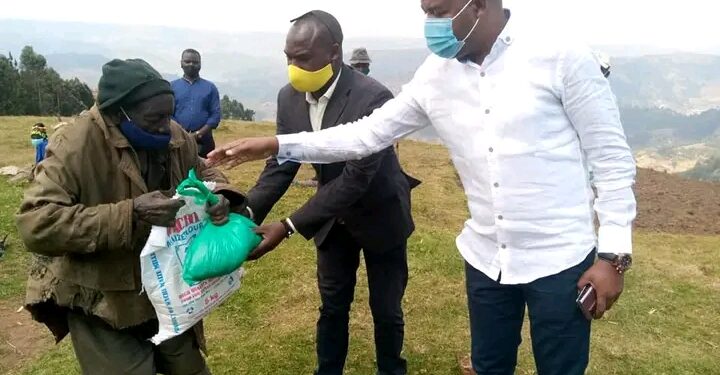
586,301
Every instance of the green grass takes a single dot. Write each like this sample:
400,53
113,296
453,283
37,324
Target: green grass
15,141
667,322
12,265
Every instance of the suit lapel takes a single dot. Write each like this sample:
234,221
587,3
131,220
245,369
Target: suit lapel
339,100
301,113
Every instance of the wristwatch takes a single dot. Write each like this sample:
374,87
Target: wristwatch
289,228
621,262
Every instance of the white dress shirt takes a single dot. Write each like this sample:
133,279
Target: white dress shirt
521,129
316,108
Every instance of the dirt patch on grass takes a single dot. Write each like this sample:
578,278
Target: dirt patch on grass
21,338
671,204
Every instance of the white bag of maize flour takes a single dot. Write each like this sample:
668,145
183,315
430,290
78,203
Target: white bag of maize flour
180,306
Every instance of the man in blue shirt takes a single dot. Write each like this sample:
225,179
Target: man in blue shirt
197,102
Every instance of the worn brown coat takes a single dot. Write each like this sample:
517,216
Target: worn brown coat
77,220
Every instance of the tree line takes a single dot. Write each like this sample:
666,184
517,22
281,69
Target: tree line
233,109
28,87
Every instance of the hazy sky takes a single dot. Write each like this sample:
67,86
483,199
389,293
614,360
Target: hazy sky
683,24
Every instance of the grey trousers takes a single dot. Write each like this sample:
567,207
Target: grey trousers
100,349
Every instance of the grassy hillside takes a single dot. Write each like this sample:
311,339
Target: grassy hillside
666,322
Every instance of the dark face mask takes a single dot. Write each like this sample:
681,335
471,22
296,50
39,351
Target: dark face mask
191,65
191,71
139,138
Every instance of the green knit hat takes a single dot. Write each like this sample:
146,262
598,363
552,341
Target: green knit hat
127,82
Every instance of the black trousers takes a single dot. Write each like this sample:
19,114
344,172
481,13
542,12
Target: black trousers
560,333
338,261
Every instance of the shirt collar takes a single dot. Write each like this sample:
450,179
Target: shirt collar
327,95
191,82
507,35
504,40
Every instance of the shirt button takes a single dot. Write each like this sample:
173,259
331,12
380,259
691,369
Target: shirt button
496,185
482,74
287,153
487,111
500,217
508,39
491,149
503,246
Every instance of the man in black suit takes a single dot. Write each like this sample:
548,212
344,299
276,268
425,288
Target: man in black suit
360,205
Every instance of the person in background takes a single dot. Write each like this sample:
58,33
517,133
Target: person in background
360,60
106,180
39,140
197,102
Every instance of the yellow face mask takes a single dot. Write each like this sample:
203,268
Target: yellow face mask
305,81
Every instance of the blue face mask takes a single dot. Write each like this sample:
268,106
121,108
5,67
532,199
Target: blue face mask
441,39
140,139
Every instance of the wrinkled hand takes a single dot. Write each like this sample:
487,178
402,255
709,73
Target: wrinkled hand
608,284
219,212
156,209
272,234
243,150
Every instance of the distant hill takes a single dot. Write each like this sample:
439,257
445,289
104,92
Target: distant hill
665,128
655,128
667,100
685,83
83,66
706,170
250,67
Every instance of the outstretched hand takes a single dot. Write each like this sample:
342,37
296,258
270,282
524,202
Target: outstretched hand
243,150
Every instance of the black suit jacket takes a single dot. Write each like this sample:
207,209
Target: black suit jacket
370,196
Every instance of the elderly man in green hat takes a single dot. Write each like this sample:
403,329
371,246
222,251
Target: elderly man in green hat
360,60
106,180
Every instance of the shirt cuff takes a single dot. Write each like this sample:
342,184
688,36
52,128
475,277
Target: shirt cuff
615,239
289,148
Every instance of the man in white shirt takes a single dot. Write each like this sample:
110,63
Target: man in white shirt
523,114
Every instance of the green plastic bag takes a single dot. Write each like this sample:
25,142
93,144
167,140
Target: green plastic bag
217,250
